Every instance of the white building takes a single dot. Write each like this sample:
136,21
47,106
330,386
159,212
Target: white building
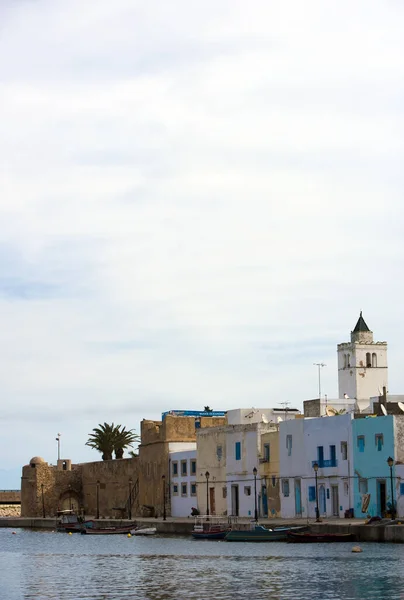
362,366
182,484
326,441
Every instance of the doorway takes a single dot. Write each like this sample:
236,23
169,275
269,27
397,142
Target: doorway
381,497
334,501
264,500
298,497
322,500
212,501
234,500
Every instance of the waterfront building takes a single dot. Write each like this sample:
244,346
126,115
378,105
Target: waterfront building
327,443
182,484
269,474
211,470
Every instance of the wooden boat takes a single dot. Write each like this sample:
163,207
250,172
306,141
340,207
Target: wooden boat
308,538
70,522
109,530
258,533
214,527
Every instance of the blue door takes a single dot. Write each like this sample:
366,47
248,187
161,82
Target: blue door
322,500
298,497
264,500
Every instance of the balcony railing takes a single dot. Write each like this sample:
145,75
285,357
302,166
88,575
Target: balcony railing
325,464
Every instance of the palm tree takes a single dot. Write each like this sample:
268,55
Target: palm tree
123,439
102,439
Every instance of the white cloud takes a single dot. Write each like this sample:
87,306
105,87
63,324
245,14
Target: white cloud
196,201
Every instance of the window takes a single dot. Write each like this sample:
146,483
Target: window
349,360
285,487
361,443
289,444
273,481
345,363
344,450
266,452
374,360
379,441
175,489
193,489
224,491
219,451
320,456
333,457
238,451
346,488
247,490
401,489
363,486
368,360
183,467
184,491
312,493
175,469
193,467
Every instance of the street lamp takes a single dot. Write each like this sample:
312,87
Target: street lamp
255,495
43,501
130,499
315,467
390,462
98,499
207,474
58,441
163,477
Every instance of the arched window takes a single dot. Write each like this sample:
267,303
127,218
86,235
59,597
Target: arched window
368,360
374,360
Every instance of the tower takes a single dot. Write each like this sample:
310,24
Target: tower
362,364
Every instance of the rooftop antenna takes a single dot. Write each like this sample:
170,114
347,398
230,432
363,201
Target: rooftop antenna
285,406
319,366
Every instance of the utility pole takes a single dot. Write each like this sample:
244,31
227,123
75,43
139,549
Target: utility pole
319,366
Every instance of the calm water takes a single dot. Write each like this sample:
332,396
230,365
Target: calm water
45,565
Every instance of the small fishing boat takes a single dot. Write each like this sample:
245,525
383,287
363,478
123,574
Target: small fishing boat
259,533
208,527
143,531
109,530
70,522
307,537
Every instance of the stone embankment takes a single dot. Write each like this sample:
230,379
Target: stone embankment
10,510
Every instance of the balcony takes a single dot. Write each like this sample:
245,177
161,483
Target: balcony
325,464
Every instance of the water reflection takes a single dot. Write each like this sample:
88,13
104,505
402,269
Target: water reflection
38,566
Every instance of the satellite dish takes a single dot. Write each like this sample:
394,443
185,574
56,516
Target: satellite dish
400,406
383,408
265,420
280,419
330,411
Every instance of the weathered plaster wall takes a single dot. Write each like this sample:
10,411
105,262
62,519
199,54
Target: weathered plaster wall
211,458
269,473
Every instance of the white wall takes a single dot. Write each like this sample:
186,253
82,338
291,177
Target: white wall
307,435
247,416
181,505
240,472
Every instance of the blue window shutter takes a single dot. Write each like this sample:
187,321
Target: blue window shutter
401,489
238,450
312,493
361,443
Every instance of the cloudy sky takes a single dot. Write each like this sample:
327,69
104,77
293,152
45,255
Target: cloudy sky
196,200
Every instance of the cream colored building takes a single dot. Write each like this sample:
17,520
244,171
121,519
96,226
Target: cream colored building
211,460
270,505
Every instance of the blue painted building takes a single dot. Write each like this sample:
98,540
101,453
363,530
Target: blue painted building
373,443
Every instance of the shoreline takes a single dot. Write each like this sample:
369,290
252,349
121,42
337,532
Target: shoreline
383,532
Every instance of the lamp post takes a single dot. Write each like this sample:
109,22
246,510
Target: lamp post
163,477
207,474
315,467
255,495
390,462
58,441
98,499
43,501
130,500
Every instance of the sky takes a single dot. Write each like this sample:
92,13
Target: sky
196,201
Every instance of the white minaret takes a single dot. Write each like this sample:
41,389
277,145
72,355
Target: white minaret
362,364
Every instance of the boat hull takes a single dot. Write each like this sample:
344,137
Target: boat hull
318,538
210,535
259,534
108,530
